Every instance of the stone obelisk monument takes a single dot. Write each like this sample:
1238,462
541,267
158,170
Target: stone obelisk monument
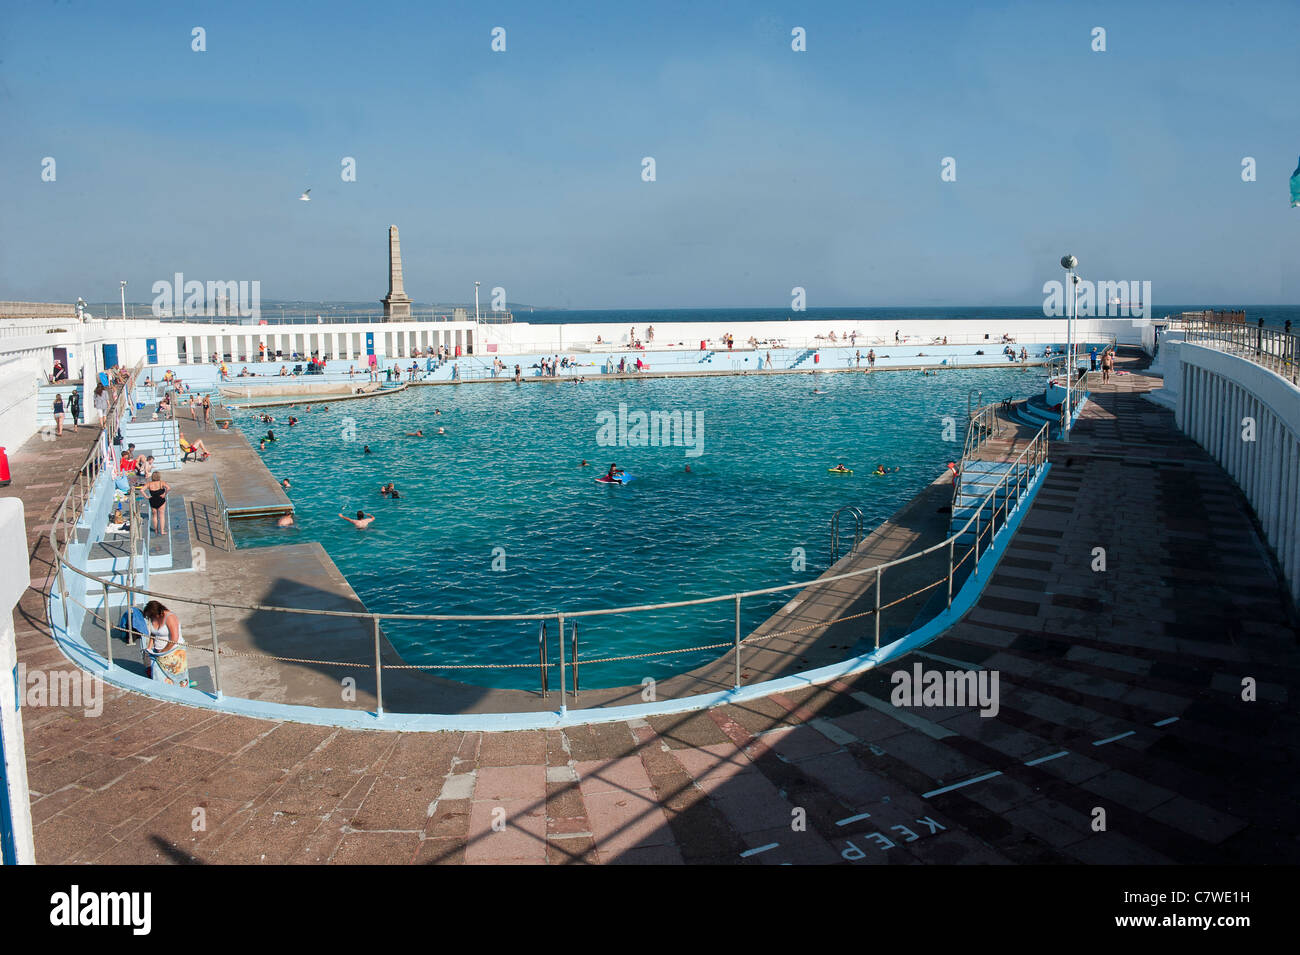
397,307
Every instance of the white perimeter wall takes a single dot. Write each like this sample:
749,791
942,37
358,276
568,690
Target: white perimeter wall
1217,392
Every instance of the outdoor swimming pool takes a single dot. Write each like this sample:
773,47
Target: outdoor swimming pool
497,516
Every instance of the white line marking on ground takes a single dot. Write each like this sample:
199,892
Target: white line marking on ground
753,852
838,736
929,728
949,660
1043,759
1111,739
858,818
947,789
1166,722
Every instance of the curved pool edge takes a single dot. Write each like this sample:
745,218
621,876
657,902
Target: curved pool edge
80,654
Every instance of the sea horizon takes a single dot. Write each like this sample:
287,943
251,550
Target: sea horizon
304,310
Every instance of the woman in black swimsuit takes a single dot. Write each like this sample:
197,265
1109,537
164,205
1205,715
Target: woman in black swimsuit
157,489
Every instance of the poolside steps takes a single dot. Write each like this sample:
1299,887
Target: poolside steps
1035,413
45,395
979,491
803,356
159,438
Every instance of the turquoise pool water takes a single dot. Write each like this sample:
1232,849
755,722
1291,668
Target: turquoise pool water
497,516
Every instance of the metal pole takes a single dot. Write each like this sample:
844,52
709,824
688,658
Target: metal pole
1069,353
952,543
979,509
108,630
216,650
574,627
379,673
564,706
737,641
878,572
541,656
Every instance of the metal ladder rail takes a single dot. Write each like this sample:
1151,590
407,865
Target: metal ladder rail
835,530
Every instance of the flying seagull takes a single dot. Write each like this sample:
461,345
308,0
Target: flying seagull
306,196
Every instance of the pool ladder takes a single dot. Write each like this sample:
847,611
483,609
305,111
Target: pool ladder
835,530
544,666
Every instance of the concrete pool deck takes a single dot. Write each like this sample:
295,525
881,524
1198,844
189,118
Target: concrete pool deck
1120,690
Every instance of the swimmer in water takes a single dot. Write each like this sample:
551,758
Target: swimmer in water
365,449
614,473
417,433
688,469
442,430
285,520
361,521
839,467
584,464
284,483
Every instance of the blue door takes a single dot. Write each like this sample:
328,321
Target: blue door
110,356
151,350
370,343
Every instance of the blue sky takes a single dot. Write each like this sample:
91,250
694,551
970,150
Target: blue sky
774,168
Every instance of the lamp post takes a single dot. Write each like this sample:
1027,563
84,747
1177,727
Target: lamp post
123,284
475,303
1069,262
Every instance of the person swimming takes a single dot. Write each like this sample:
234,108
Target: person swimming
840,467
365,449
615,473
286,520
882,470
361,521
284,483
584,464
417,433
442,430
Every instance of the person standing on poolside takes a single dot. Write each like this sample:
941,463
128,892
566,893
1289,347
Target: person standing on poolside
58,414
207,412
1107,365
157,490
100,401
164,651
74,408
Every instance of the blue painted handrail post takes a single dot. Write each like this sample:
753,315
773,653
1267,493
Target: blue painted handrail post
379,673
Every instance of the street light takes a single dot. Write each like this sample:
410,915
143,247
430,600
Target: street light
123,284
1069,262
476,303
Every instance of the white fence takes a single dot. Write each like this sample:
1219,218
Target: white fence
1248,417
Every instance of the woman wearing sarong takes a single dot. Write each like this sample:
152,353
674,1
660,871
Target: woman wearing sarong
164,652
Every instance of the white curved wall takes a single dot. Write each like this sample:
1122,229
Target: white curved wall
1217,393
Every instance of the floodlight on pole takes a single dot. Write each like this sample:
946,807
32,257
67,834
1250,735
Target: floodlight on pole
1069,263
